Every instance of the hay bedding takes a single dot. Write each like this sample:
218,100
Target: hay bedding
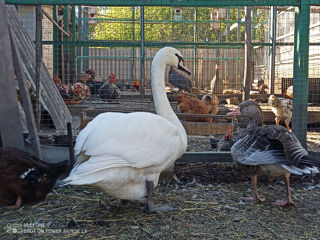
208,199
209,208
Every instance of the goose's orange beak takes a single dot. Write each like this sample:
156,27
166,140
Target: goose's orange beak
235,112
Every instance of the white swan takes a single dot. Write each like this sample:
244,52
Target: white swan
124,154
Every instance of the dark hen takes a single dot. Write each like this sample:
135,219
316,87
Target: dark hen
24,178
270,150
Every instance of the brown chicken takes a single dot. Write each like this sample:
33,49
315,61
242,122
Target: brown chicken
62,88
282,109
212,103
289,92
190,103
79,91
72,93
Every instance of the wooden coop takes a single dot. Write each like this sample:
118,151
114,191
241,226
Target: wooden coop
234,52
65,62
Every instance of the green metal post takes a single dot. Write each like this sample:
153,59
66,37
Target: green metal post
273,48
195,60
248,56
55,40
300,79
38,62
186,3
253,23
79,49
238,40
142,57
133,50
227,52
73,48
65,76
85,34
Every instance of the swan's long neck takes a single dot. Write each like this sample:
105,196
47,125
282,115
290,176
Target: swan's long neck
160,99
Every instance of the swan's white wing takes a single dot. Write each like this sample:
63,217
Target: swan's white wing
137,140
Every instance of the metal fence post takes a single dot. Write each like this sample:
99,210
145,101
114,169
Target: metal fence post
300,69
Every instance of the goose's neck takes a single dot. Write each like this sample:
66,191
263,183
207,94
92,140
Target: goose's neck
256,121
160,99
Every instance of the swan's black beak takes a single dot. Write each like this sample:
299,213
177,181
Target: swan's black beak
181,65
184,68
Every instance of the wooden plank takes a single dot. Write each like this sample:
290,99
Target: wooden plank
50,97
10,126
217,157
26,101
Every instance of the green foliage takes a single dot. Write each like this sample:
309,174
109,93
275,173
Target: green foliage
159,25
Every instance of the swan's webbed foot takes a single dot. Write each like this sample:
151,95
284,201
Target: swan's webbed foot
113,208
152,208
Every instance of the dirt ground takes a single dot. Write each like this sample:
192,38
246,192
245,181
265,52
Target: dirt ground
208,202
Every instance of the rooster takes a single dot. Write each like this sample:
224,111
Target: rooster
108,89
189,103
282,109
225,143
135,86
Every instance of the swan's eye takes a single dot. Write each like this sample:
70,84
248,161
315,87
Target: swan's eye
180,58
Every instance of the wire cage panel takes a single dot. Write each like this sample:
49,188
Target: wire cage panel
110,41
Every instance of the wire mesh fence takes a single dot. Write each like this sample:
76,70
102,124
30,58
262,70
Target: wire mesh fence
98,66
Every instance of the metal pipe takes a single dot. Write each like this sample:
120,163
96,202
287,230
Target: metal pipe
55,23
185,3
273,48
133,50
195,60
73,48
38,63
70,143
79,49
142,66
248,56
55,40
301,72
